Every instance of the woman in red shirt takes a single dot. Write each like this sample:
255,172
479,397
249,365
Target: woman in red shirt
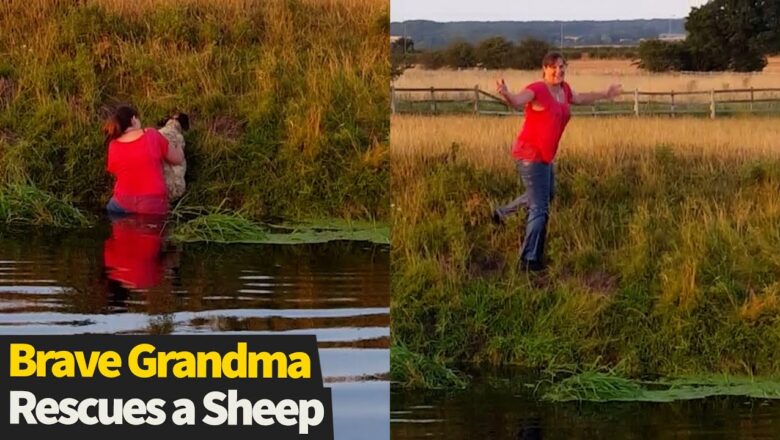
546,108
135,159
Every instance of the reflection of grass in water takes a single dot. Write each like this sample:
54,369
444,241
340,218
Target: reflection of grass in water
161,325
600,386
24,204
225,227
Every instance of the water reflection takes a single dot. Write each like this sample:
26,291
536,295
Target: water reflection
133,253
509,413
124,277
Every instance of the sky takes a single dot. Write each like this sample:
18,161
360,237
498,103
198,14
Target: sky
543,10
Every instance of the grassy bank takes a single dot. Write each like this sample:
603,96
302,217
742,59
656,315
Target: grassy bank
663,249
288,98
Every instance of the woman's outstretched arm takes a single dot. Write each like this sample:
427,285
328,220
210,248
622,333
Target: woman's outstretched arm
589,98
516,101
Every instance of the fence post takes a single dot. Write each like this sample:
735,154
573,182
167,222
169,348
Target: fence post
751,99
636,102
433,100
476,99
672,102
392,99
712,103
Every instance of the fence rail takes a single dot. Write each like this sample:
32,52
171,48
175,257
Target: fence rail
432,100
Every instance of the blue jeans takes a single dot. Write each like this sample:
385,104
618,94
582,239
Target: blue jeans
539,182
114,210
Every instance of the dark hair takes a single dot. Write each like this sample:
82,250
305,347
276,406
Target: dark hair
121,118
551,58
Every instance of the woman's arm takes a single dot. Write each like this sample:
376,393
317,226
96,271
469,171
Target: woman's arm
516,101
175,155
589,98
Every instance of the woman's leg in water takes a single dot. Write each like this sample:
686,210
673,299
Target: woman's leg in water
538,181
114,210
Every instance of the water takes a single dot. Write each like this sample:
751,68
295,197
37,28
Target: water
124,279
488,412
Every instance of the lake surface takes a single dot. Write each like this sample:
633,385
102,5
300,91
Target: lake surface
125,278
486,411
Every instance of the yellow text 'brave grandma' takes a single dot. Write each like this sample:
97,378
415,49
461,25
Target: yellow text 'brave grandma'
144,361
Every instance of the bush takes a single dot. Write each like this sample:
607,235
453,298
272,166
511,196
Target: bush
662,56
432,60
460,54
528,54
494,53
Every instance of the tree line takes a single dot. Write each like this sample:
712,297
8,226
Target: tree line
499,53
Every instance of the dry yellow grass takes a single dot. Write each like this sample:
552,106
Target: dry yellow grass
588,75
486,141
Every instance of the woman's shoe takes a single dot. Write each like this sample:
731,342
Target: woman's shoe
531,266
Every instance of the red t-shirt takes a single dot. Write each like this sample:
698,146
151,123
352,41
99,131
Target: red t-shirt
138,169
542,129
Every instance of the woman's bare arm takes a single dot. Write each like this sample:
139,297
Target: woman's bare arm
589,98
516,101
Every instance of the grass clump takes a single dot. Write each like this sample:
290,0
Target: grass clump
220,226
606,386
418,371
27,205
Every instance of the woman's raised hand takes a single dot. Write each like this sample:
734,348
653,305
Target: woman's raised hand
501,87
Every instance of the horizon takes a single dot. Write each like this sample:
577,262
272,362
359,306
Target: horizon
450,11
536,21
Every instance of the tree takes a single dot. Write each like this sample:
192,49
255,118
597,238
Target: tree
432,60
731,34
528,54
494,53
398,63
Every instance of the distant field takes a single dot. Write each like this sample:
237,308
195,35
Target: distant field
591,74
485,141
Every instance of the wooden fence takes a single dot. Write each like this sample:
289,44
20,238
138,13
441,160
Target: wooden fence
713,102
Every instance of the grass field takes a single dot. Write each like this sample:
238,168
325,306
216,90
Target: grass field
289,110
662,236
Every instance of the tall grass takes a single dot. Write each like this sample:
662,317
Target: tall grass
288,98
663,239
